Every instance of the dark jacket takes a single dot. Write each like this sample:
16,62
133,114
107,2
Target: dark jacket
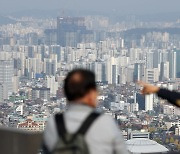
172,96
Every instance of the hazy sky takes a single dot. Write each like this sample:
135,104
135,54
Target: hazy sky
124,6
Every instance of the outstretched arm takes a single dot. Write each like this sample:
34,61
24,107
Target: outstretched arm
172,96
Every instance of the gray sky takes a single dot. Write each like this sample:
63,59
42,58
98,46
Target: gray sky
124,6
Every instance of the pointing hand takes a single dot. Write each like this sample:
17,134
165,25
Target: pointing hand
148,88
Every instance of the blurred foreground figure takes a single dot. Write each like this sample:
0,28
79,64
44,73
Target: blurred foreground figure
81,130
172,96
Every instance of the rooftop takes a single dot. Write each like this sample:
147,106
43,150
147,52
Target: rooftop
145,146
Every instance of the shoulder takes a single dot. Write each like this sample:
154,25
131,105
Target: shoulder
106,122
107,119
105,129
51,120
50,133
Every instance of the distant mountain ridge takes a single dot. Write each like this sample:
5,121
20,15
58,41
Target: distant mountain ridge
138,32
113,15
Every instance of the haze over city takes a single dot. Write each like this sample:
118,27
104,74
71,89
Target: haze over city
109,7
121,41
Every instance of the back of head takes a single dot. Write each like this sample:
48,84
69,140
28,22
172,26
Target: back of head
78,83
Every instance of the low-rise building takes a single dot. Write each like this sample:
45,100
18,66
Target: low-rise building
29,125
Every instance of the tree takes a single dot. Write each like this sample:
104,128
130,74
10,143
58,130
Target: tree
158,140
178,146
171,140
176,142
151,129
167,140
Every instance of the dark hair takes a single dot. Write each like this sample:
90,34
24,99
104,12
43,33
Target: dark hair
78,83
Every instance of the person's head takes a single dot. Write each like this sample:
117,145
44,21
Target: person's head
80,86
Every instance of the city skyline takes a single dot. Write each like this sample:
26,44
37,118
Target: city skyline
37,52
